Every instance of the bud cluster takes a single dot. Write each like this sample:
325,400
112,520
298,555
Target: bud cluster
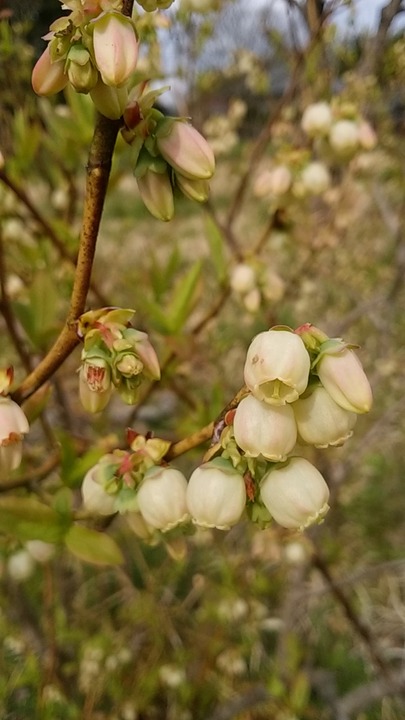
13,427
169,154
114,355
252,283
336,134
95,49
303,388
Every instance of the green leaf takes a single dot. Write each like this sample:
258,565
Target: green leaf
26,518
216,243
183,298
93,546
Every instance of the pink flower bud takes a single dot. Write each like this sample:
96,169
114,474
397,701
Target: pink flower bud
262,429
162,498
109,101
13,427
343,377
182,146
48,77
321,421
115,48
296,495
157,194
317,119
277,367
367,136
216,495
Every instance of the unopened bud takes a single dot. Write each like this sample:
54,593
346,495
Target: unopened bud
115,48
157,194
48,77
185,149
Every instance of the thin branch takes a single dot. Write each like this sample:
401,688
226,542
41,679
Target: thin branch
46,227
10,320
359,627
98,172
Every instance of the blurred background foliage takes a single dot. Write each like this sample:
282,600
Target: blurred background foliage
247,624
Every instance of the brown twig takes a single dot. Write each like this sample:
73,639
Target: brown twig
98,172
359,627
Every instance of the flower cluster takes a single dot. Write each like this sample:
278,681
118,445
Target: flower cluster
13,427
303,388
336,134
114,355
95,50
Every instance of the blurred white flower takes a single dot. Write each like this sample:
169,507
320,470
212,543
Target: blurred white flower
20,565
315,178
317,119
344,136
243,278
252,300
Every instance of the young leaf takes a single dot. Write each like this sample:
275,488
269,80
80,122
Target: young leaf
93,546
183,298
29,519
216,243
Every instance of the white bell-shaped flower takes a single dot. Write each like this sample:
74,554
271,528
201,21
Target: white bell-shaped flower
216,495
321,421
277,367
95,498
262,429
162,498
296,495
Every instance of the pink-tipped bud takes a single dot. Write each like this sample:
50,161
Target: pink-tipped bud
343,377
157,194
115,48
185,149
48,77
145,351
